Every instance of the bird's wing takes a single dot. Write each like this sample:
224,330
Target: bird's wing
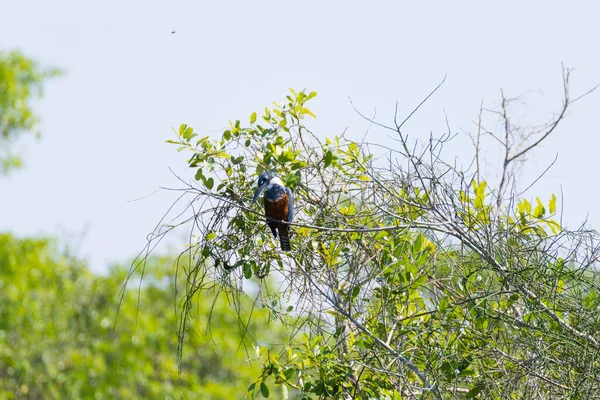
290,195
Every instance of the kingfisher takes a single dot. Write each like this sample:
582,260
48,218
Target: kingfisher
279,205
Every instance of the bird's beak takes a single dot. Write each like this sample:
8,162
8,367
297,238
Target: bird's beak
259,190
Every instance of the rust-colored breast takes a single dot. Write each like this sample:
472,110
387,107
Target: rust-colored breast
277,209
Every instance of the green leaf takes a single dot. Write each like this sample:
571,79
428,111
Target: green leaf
307,386
512,299
187,134
475,390
286,156
264,390
307,111
182,129
539,209
211,236
209,183
553,204
247,269
419,281
289,373
481,189
292,180
328,158
199,175
381,235
418,245
205,252
526,206
349,210
253,118
443,304
227,135
298,165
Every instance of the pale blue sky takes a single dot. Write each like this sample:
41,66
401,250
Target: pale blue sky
129,80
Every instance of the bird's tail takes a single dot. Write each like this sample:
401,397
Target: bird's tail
285,243
284,239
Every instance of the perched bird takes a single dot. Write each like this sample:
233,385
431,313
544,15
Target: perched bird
279,205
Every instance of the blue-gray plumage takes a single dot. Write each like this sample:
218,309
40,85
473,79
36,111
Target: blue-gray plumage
279,205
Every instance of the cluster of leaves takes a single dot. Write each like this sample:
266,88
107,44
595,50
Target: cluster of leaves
59,338
21,81
407,277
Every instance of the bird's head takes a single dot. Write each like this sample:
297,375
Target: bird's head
266,179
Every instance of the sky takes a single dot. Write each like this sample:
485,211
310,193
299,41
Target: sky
136,69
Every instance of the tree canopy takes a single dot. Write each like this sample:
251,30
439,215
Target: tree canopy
411,275
59,338
21,81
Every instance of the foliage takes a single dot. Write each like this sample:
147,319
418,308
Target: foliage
59,338
21,81
409,276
